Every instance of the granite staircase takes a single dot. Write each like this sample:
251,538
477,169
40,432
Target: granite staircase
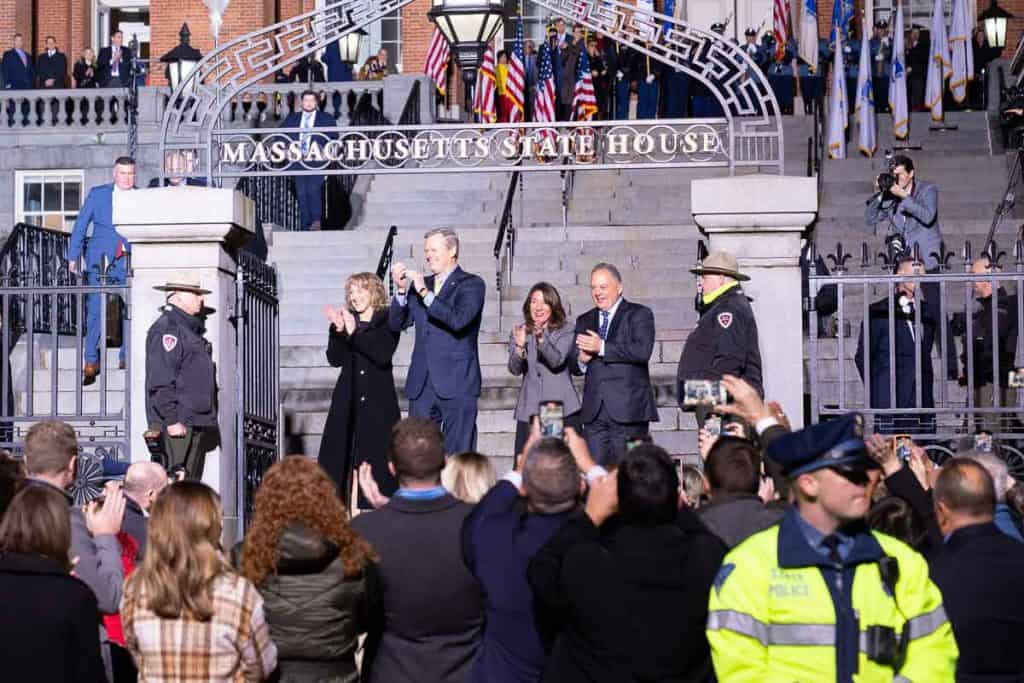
639,220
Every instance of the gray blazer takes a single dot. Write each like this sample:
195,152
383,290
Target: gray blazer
544,371
915,219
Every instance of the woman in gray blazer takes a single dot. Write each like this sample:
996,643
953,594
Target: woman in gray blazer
538,351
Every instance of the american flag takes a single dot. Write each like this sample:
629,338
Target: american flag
437,61
584,102
544,105
780,16
486,85
515,84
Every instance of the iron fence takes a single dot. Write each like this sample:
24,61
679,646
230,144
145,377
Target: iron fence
257,376
929,355
43,308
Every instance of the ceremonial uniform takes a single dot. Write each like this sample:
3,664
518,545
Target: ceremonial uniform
181,387
725,339
792,603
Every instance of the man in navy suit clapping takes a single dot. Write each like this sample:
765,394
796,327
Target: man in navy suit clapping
104,241
309,188
445,306
18,71
614,342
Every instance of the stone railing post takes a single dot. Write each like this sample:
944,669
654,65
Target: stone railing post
761,220
173,230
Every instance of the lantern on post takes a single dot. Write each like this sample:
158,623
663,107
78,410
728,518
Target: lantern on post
468,26
350,44
181,60
994,19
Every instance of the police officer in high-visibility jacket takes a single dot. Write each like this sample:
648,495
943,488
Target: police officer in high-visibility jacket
819,597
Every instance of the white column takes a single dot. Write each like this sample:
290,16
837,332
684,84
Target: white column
174,230
761,220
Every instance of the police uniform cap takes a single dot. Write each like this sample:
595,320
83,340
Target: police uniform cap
881,23
837,444
718,27
720,263
750,32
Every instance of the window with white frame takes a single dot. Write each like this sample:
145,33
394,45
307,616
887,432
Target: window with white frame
49,199
387,34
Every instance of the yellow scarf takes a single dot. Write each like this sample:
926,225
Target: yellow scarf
708,297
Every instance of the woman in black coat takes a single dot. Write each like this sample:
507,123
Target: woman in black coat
49,624
84,70
364,406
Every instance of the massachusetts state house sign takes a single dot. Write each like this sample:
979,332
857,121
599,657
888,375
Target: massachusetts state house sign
459,148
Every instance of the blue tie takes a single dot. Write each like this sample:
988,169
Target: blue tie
602,331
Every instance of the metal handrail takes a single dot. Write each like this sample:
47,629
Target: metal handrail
568,178
386,254
505,242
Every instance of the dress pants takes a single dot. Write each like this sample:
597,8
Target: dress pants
985,397
93,325
622,100
647,107
310,191
606,438
189,451
456,416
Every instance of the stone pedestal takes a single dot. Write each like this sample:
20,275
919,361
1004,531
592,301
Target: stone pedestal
761,219
174,230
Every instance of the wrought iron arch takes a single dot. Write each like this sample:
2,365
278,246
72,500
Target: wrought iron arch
739,85
731,76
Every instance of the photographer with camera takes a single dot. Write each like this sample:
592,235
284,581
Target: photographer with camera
909,209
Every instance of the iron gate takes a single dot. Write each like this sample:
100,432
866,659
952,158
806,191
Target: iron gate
257,376
42,334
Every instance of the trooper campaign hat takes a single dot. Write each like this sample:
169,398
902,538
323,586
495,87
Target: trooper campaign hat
720,263
837,444
187,282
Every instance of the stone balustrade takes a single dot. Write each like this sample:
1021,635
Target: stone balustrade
94,110
86,109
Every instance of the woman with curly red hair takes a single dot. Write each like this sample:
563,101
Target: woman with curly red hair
316,575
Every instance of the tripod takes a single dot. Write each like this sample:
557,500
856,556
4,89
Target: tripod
1009,200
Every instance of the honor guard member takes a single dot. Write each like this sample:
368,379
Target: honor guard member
819,596
725,339
181,385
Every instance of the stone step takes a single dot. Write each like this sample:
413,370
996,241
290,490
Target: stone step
66,402
67,380
491,352
309,377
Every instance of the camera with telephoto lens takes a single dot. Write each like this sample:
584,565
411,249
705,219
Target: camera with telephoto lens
887,178
1011,115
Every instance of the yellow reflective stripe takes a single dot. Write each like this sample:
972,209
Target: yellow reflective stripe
926,624
772,634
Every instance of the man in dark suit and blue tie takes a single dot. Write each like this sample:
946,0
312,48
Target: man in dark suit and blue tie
104,240
446,307
614,342
17,67
309,188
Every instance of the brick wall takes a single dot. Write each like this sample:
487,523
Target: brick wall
166,17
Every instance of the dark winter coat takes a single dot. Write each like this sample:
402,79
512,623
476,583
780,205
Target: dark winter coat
49,624
364,406
316,615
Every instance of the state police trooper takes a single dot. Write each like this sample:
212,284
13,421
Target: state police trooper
181,385
819,597
725,340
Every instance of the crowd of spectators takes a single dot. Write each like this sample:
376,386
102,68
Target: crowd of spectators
561,570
